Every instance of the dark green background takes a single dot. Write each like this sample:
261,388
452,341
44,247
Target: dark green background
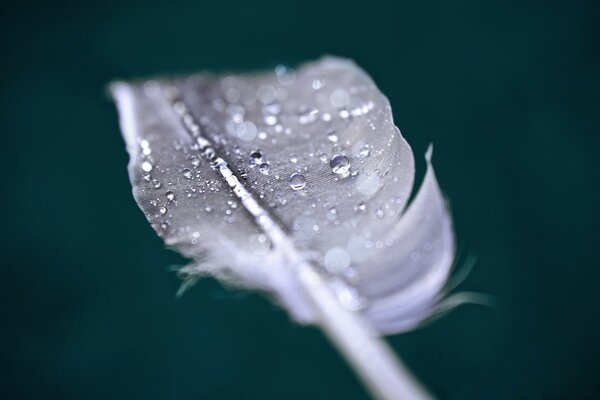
507,91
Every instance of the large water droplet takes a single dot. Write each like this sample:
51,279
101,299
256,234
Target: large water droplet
187,173
297,181
340,165
162,210
170,195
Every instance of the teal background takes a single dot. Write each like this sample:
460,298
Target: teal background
508,91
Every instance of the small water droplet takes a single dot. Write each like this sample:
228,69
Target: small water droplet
187,173
162,210
170,195
209,153
256,157
297,181
340,165
293,159
379,212
361,207
156,183
270,120
323,157
364,151
338,148
146,166
195,161
332,137
264,168
208,209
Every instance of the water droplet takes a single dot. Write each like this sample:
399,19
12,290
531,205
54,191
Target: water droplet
256,157
146,166
361,207
285,75
264,168
338,148
170,195
195,161
270,120
364,151
209,153
339,98
340,165
162,210
187,173
323,157
379,212
307,115
156,183
336,260
297,181
246,131
293,159
332,137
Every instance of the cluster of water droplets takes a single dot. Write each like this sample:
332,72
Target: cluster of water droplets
252,133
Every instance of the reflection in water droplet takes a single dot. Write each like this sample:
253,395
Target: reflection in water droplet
340,165
146,166
170,195
297,181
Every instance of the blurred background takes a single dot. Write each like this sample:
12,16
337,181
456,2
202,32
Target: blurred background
507,91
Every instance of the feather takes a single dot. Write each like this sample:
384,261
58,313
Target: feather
295,183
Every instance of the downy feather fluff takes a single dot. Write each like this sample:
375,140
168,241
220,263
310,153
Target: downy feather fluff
251,175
